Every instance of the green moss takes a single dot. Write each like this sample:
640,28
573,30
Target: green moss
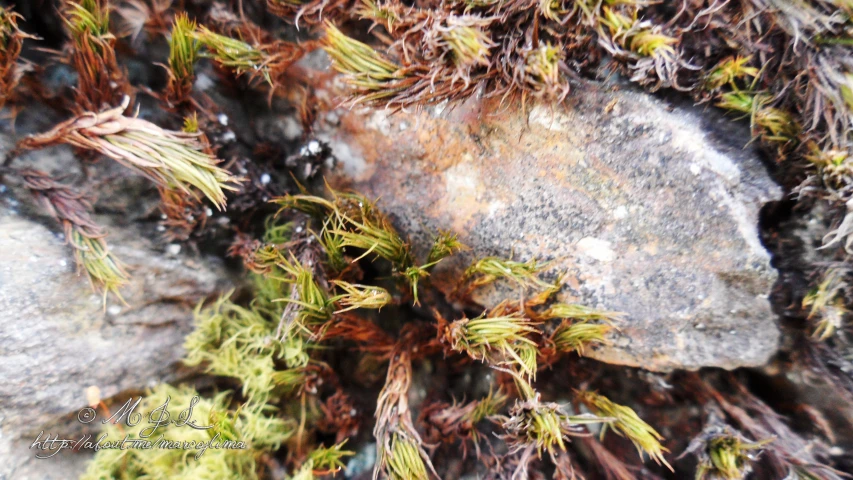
257,426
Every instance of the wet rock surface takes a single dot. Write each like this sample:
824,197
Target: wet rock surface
58,338
650,209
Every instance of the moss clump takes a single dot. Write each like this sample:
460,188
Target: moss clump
183,53
11,43
101,82
232,447
627,423
274,350
825,304
173,160
724,453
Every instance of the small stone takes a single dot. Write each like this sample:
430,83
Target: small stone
623,211
290,128
361,462
203,82
314,147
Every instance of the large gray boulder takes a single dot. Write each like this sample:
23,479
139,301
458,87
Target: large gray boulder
651,209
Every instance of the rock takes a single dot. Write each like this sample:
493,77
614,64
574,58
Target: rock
651,209
58,338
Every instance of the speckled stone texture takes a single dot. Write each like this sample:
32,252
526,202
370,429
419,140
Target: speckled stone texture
651,209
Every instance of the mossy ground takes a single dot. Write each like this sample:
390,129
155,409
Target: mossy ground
340,322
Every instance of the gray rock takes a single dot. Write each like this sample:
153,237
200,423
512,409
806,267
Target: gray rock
649,211
58,338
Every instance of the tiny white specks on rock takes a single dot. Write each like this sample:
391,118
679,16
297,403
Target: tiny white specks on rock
495,207
173,249
203,82
313,147
265,179
223,119
597,249
379,121
653,159
63,263
114,310
291,129
695,169
438,109
620,212
229,136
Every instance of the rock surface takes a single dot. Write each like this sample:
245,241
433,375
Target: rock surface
648,210
58,338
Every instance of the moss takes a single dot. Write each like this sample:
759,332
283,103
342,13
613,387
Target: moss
255,425
336,292
183,53
11,43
